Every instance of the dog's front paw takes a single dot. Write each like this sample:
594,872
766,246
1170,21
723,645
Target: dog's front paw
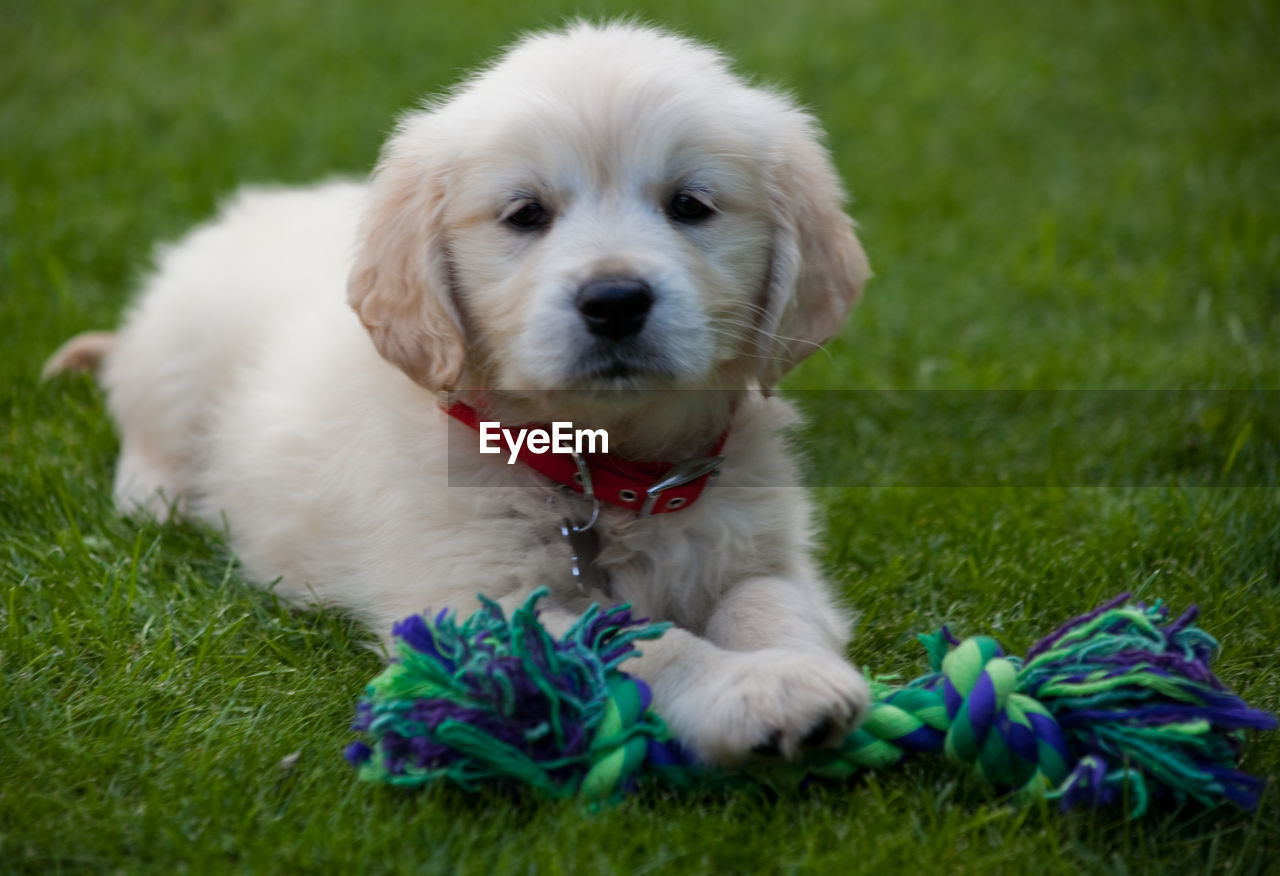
768,703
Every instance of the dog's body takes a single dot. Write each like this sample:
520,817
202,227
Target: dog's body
553,244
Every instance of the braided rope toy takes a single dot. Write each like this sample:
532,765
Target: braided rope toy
1117,704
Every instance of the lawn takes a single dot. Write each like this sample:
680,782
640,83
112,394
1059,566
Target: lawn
1055,197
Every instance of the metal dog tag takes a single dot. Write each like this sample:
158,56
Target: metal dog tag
584,547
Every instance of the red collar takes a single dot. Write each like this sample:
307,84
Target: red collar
643,487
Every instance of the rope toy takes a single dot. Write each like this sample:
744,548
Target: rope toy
1117,705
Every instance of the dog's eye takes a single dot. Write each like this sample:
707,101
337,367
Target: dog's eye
685,207
530,217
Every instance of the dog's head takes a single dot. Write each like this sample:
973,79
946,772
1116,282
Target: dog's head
607,207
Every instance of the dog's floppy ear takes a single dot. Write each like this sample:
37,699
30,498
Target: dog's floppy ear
818,267
399,284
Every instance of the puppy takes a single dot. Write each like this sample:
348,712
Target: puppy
607,227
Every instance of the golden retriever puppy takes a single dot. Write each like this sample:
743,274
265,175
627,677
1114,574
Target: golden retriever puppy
606,228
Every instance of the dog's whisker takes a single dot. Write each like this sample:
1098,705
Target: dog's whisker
776,336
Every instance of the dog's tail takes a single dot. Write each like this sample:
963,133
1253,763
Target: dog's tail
82,353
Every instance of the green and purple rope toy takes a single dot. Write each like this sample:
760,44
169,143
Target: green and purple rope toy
1117,704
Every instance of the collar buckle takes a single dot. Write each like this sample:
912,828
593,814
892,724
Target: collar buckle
680,474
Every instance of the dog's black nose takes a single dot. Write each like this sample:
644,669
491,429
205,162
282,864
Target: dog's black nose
615,307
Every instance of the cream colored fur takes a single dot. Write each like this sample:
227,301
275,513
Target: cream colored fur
247,390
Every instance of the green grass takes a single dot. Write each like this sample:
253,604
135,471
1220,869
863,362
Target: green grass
1053,195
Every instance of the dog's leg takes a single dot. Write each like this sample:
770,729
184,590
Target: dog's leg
144,483
729,704
770,612
144,480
